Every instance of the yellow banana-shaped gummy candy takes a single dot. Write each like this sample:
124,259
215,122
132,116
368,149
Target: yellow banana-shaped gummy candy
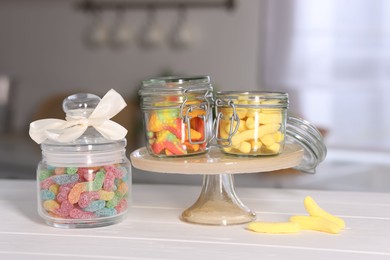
316,223
316,211
274,227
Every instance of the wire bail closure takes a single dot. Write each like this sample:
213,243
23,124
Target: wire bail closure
225,142
186,109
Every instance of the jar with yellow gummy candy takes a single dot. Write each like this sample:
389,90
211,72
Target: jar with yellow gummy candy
177,115
251,123
84,178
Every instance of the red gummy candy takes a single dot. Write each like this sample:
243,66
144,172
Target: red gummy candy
122,206
117,172
64,192
45,184
176,128
86,198
79,214
64,209
173,148
108,183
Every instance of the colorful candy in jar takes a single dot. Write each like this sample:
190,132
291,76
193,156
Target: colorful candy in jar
177,115
84,175
83,193
168,134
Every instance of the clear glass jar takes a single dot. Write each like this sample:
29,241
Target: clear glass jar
177,115
251,123
85,182
301,132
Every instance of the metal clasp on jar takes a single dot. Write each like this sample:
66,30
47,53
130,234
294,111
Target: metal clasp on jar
233,126
187,109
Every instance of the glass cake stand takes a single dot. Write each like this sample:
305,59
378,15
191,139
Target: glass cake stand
218,203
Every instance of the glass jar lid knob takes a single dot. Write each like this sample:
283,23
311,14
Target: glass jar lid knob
81,104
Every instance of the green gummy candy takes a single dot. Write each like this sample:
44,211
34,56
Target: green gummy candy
71,170
98,181
44,174
115,200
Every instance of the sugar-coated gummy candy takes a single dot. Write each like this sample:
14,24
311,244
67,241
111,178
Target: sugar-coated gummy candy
47,195
64,209
122,206
54,188
65,178
59,170
119,194
106,195
95,205
80,214
166,132
87,197
44,174
50,205
64,192
106,212
98,181
86,173
118,172
108,183
83,193
71,170
75,192
47,183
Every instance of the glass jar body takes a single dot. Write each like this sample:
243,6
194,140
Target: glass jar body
251,123
83,195
177,116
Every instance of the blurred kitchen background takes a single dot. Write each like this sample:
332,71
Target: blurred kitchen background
331,56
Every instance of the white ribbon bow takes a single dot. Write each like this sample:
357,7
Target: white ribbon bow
73,127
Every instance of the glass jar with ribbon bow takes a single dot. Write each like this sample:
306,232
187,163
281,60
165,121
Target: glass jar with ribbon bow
84,178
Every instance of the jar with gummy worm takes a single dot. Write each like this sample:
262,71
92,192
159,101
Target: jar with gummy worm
177,115
84,178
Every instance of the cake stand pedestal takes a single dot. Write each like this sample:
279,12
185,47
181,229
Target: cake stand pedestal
218,203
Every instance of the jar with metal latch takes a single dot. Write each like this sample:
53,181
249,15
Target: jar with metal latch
251,123
177,115
84,177
258,124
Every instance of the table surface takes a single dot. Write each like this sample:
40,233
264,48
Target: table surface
153,230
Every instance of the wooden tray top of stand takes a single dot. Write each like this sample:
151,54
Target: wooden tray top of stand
216,162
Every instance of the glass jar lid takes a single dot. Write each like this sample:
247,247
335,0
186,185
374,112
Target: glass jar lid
253,99
168,85
172,92
306,135
91,147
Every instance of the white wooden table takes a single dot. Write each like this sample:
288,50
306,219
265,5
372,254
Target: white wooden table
153,230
